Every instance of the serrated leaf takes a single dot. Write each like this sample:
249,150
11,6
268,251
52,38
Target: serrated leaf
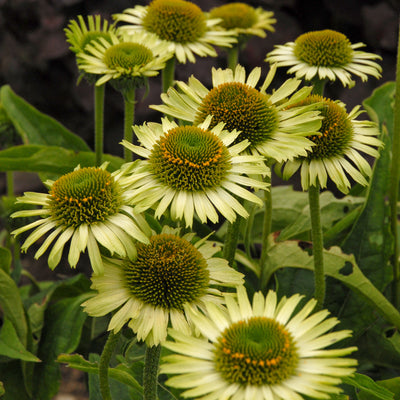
369,387
11,346
50,159
35,127
338,265
332,210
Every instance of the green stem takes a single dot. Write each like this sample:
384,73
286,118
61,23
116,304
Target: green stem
394,184
233,56
104,364
267,225
10,183
99,122
318,245
231,240
129,117
150,372
319,86
168,74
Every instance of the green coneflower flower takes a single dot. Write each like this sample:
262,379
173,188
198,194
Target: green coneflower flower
337,148
244,19
326,54
150,291
260,351
181,25
263,119
79,34
193,169
88,207
126,60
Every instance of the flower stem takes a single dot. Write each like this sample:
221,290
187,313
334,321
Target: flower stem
319,86
104,364
394,185
129,117
99,122
168,74
150,372
233,56
231,240
318,245
267,224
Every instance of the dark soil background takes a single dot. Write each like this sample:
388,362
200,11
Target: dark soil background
36,62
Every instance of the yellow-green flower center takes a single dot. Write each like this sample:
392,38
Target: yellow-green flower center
336,129
241,107
258,351
168,272
175,20
190,158
235,15
127,56
325,48
95,35
84,196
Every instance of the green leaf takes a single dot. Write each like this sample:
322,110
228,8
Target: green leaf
36,127
11,375
11,346
392,385
11,304
332,210
5,259
120,373
50,159
61,334
338,265
2,391
369,387
380,105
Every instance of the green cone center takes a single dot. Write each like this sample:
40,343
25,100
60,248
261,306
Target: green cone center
175,20
325,48
241,107
258,351
168,272
127,56
235,15
84,196
190,158
336,129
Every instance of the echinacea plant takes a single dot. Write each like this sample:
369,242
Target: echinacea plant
197,272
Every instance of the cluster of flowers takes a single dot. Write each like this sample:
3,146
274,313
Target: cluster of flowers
169,282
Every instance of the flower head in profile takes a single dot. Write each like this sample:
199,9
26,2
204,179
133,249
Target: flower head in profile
244,19
125,60
180,25
263,119
337,149
193,169
258,351
150,291
87,207
79,34
326,54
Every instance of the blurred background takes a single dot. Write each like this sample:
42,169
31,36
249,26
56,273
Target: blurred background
36,62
